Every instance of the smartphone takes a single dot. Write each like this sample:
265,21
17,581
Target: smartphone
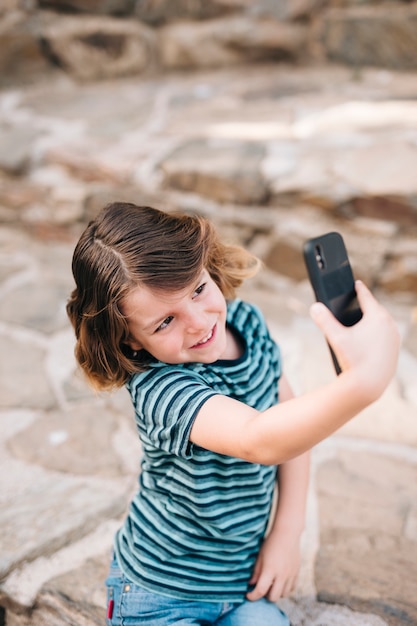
332,279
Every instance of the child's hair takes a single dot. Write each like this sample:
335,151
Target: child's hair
127,246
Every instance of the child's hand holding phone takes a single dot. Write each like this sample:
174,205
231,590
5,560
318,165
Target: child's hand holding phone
369,349
361,334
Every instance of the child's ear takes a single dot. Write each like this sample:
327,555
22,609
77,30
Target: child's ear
134,345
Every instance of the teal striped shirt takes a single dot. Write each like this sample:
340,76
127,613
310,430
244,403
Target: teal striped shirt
195,526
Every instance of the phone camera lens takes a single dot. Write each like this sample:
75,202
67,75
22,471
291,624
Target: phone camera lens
319,257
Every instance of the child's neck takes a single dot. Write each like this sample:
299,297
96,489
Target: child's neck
234,346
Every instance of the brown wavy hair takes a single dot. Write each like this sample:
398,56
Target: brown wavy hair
124,247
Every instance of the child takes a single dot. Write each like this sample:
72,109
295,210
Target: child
154,308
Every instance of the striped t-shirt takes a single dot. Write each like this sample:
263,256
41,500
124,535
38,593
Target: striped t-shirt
195,526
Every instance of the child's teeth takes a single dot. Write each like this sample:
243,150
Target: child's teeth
207,338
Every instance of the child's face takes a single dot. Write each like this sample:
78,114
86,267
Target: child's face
178,327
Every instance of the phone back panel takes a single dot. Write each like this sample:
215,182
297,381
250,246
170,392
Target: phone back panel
331,276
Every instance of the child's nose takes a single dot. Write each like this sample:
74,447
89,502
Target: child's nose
195,322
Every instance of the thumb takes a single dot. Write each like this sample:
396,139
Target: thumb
324,319
333,331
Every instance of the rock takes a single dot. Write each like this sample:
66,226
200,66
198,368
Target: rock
104,194
31,388
9,6
17,197
46,311
307,612
400,270
21,53
285,258
400,210
347,179
198,34
78,597
295,173
55,610
70,582
77,441
228,41
98,47
392,418
88,166
400,274
225,171
15,148
286,10
384,36
161,11
103,7
53,511
369,169
365,505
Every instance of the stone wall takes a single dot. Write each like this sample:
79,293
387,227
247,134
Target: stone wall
283,132
343,148
98,39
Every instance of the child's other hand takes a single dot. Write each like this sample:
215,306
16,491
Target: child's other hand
276,568
369,348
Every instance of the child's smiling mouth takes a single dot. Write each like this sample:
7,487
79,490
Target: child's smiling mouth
205,339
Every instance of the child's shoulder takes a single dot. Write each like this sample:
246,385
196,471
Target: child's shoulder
161,375
240,311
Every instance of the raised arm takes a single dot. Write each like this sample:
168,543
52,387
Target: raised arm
367,353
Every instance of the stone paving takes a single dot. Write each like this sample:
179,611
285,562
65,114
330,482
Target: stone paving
69,458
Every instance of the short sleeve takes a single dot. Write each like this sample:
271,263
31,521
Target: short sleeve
167,401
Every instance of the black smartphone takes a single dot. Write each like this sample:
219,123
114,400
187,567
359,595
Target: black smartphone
332,279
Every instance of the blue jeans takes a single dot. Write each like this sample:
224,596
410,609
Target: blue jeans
131,605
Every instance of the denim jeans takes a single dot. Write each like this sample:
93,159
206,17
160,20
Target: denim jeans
131,605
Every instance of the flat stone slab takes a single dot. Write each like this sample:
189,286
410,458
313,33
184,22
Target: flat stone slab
15,148
53,510
77,441
306,611
70,568
368,534
226,171
23,379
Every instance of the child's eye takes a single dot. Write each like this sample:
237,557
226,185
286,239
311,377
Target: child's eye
165,323
199,289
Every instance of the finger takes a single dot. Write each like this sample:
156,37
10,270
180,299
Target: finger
324,319
289,587
370,305
282,588
365,297
276,591
261,588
